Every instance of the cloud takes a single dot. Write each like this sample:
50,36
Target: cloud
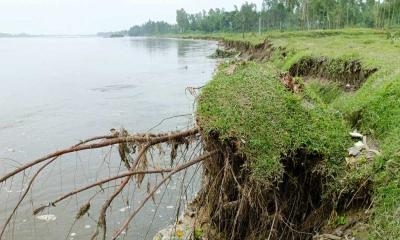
153,2
91,16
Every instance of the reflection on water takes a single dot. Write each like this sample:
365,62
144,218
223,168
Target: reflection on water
154,44
114,87
56,91
183,48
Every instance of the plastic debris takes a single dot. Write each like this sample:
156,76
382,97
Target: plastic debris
353,151
356,149
124,209
47,217
356,134
359,144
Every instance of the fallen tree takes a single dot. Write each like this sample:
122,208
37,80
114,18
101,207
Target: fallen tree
133,150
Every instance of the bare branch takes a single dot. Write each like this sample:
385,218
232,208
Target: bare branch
102,223
101,182
178,169
147,138
24,195
168,118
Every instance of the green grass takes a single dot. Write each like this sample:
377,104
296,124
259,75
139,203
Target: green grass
323,92
253,107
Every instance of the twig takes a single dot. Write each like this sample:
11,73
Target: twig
184,166
168,118
24,195
273,221
95,139
355,194
101,182
151,139
102,223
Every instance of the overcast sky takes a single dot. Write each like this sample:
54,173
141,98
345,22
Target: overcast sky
92,16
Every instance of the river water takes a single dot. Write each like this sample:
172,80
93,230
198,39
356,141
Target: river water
57,91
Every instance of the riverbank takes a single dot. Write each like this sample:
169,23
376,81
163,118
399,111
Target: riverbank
282,119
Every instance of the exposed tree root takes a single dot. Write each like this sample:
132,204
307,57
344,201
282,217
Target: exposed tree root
296,206
149,196
24,195
108,140
137,168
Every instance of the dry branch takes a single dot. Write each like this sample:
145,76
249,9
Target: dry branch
99,183
102,223
148,138
138,168
149,196
24,195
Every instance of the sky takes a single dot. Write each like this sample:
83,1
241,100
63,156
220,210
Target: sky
92,16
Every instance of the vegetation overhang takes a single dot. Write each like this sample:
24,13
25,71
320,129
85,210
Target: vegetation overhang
294,111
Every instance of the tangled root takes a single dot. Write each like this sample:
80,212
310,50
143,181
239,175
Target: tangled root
240,206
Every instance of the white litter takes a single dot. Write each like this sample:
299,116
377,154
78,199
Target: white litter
47,217
20,191
124,209
170,207
359,145
356,134
73,234
87,226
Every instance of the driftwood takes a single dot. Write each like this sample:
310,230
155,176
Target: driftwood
136,170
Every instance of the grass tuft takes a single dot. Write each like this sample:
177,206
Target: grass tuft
252,106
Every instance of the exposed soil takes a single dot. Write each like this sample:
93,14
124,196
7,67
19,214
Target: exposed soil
241,207
262,51
234,205
349,74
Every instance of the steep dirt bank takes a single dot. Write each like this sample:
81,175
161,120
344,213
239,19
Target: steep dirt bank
301,188
348,73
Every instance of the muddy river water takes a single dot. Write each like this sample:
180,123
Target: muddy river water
57,91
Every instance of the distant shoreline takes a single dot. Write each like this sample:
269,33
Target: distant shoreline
24,35
48,36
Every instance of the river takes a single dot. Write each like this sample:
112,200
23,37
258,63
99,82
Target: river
57,91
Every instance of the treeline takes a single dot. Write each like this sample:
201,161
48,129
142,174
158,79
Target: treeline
152,28
281,15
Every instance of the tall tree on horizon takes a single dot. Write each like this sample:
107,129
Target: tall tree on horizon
282,15
182,20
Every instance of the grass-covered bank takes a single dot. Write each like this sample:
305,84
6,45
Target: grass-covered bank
285,141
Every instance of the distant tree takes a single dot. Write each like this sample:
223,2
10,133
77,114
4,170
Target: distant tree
152,28
282,15
249,17
182,20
